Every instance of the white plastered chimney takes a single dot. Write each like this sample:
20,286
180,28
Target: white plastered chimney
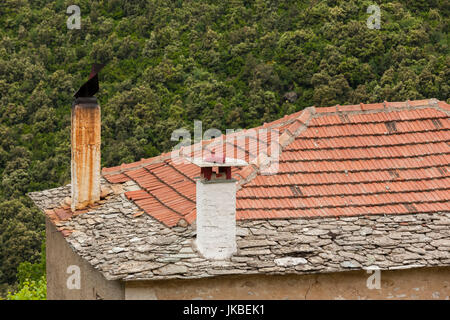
216,208
216,218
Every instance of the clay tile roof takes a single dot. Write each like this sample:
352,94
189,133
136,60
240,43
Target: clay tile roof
375,158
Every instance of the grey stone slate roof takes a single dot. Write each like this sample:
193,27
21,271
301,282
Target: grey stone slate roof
123,243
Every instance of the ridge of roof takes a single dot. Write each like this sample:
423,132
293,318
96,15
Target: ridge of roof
385,106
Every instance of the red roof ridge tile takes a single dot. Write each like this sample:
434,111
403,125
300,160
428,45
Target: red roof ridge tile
443,106
385,106
296,127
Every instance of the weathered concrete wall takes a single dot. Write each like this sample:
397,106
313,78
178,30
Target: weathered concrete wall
92,283
420,283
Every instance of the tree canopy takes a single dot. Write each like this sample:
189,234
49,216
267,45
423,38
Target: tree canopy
231,64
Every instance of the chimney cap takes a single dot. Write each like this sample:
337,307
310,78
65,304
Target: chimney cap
215,159
85,101
90,87
209,162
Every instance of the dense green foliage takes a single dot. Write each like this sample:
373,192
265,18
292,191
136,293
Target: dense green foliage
32,284
228,63
20,236
30,290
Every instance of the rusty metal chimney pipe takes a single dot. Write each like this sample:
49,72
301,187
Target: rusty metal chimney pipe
85,142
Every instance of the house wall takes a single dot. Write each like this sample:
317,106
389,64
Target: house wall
420,283
60,257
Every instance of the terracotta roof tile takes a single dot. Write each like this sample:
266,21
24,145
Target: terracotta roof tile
416,103
373,106
444,105
116,178
63,214
355,107
401,104
137,195
326,109
296,125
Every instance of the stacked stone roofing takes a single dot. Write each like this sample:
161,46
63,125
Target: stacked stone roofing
358,186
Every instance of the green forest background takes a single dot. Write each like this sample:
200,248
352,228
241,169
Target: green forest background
232,64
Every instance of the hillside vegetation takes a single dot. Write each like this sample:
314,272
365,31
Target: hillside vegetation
231,64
